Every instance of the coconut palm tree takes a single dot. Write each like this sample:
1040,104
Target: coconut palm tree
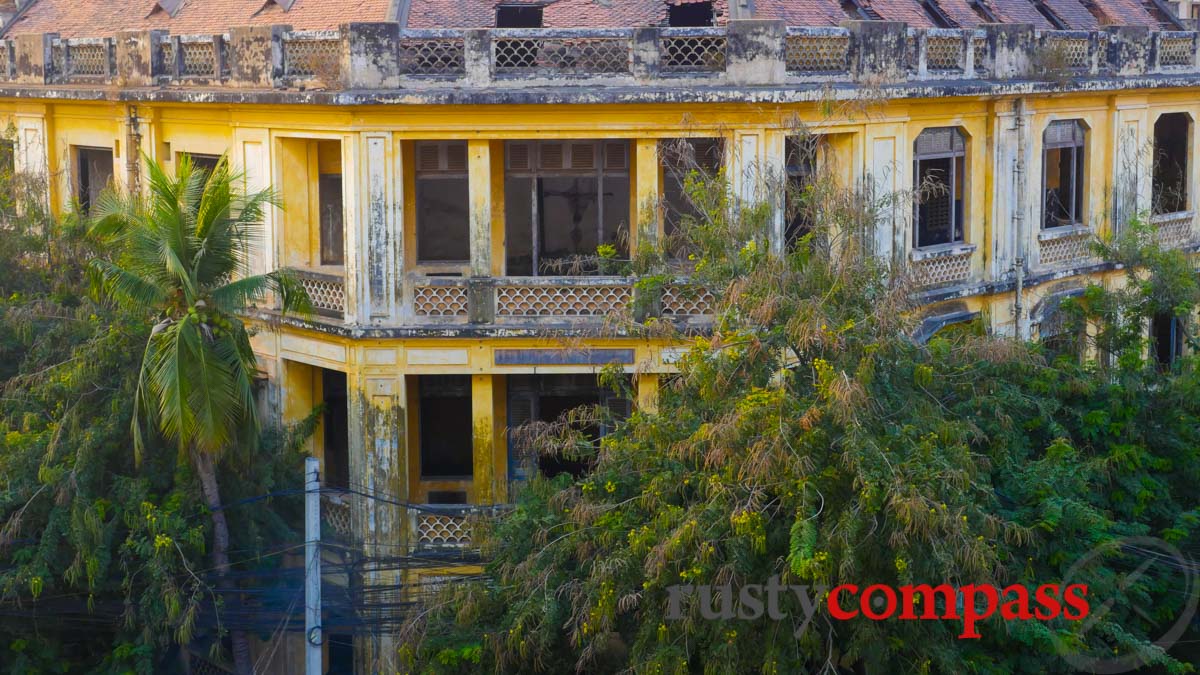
180,253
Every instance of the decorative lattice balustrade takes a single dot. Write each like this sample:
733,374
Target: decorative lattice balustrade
326,291
437,298
86,59
1176,49
1172,229
806,52
562,298
979,49
336,514
313,55
1072,246
433,53
692,50
948,265
750,54
543,52
198,57
687,300
1065,50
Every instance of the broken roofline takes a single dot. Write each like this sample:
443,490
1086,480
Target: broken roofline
749,53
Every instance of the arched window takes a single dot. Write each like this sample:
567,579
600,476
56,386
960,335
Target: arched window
1172,133
1062,174
939,177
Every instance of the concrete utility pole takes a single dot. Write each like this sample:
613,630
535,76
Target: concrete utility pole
312,567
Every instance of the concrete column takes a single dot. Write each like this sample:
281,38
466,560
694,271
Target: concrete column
479,177
483,438
372,261
647,191
378,470
647,392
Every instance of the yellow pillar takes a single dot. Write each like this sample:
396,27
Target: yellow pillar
483,427
496,196
647,188
479,177
647,392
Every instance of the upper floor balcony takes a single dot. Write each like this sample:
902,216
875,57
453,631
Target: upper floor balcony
365,62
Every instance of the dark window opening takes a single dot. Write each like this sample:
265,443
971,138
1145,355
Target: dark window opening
95,172
690,14
563,201
518,16
546,398
443,203
801,174
939,168
341,654
336,430
1063,174
444,426
329,200
1172,134
204,164
1167,338
698,158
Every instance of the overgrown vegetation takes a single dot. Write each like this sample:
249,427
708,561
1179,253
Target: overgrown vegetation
104,562
809,437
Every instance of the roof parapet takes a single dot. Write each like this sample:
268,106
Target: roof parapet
381,56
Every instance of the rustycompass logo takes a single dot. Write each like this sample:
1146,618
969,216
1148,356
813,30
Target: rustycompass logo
967,605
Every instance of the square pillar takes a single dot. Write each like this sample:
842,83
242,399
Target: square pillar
647,193
479,178
647,392
379,470
486,439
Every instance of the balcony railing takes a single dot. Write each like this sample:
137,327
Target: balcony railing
1173,229
326,290
381,56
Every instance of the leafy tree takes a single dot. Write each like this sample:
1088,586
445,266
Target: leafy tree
184,260
809,437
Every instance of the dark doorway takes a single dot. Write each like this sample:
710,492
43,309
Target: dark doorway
336,430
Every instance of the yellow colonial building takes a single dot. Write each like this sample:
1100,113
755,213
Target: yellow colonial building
448,171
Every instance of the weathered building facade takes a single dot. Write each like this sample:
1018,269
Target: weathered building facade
438,164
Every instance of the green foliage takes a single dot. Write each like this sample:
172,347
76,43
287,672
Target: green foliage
809,437
103,563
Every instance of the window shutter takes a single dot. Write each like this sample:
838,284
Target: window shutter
615,157
583,155
428,157
550,156
518,156
456,157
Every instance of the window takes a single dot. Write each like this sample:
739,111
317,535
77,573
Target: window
1062,174
939,169
518,16
1172,134
1167,338
335,430
801,172
546,398
444,421
443,203
562,200
680,157
687,14
205,164
94,173
329,199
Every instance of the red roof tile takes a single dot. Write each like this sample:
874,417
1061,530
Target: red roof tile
93,18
